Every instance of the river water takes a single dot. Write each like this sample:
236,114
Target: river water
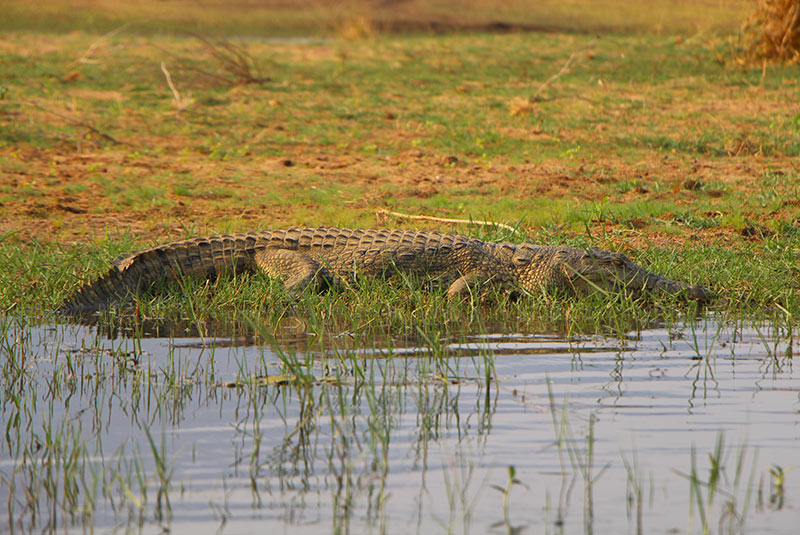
666,430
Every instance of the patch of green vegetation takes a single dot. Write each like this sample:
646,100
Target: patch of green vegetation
195,188
142,196
702,144
695,221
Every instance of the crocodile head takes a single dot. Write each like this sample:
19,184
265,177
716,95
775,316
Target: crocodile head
587,270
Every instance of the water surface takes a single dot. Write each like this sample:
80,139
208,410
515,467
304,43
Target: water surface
213,427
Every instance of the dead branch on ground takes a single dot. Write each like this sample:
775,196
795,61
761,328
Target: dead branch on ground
232,59
524,105
568,65
74,122
87,55
385,213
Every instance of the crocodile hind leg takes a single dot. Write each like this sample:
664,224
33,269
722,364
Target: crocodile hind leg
297,269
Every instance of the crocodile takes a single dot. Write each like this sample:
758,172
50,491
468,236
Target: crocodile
330,256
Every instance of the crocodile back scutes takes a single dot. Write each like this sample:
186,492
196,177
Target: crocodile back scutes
363,239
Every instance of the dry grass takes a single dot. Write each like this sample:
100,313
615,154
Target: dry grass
359,18
356,28
773,32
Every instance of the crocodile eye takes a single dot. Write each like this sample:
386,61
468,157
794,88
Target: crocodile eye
618,260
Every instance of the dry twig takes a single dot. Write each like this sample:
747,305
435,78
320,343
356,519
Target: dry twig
568,65
74,122
523,105
447,220
236,65
87,55
234,60
181,103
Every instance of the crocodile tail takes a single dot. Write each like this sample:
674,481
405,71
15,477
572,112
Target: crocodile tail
198,258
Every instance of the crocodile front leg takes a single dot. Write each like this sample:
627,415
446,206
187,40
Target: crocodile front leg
478,265
297,269
462,286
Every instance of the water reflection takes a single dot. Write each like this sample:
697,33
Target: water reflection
144,424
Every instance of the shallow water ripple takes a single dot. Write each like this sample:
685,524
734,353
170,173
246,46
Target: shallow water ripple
662,431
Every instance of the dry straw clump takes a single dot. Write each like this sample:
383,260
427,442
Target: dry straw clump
358,28
773,32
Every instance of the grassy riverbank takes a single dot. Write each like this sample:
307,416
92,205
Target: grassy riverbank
661,146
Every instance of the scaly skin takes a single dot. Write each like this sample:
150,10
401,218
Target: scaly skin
329,256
